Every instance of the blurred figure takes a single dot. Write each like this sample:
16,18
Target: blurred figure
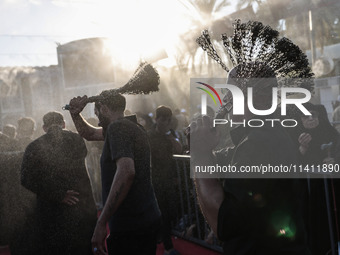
25,132
54,169
310,136
182,120
145,120
164,144
336,103
5,171
250,215
94,149
10,131
8,141
15,217
5,143
312,132
336,114
127,112
177,133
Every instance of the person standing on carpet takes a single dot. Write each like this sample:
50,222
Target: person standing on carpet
130,206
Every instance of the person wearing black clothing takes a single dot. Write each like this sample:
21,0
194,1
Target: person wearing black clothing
312,132
252,216
130,205
26,127
54,169
163,145
309,136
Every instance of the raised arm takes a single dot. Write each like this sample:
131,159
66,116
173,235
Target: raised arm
85,129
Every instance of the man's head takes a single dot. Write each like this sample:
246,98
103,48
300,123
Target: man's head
53,119
257,75
25,127
111,107
163,118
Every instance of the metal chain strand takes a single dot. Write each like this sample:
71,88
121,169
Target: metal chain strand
205,43
252,41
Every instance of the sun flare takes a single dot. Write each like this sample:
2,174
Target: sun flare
138,30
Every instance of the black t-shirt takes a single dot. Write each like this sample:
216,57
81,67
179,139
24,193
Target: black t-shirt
53,164
139,212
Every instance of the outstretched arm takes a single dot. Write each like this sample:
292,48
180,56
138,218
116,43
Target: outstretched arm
85,129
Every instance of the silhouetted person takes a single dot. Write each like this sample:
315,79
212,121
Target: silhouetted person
163,145
16,202
26,126
130,206
251,216
7,173
54,169
10,131
310,135
145,120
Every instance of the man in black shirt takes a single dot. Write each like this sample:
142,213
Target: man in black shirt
54,169
130,205
164,177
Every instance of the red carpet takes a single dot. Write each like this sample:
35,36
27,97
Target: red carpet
187,248
183,246
4,250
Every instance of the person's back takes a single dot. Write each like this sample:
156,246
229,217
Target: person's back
62,152
53,165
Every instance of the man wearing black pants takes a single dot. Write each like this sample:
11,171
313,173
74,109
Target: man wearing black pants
130,206
163,145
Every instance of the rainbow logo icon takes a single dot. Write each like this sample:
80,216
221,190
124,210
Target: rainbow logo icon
209,93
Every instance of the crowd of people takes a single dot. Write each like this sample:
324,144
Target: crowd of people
55,211
53,179
49,204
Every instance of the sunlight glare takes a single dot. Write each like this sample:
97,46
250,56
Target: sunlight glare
136,30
